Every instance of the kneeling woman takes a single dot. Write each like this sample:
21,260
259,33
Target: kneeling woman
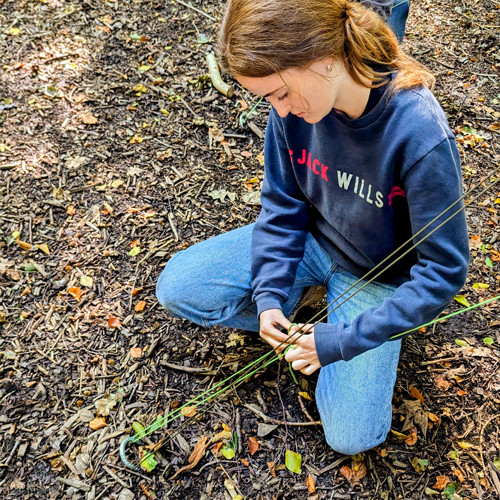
358,157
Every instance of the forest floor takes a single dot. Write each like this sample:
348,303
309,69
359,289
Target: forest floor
115,153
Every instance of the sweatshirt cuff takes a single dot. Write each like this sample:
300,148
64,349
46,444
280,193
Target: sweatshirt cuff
267,301
327,343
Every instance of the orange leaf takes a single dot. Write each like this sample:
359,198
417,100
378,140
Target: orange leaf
433,418
75,292
346,472
311,487
416,394
475,241
244,461
135,291
461,392
442,384
134,243
23,245
89,119
97,423
412,438
383,452
272,468
114,322
195,457
441,482
71,210
139,307
135,352
226,427
459,475
253,445
359,469
189,411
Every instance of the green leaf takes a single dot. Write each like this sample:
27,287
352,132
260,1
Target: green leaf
488,262
419,464
460,342
139,429
462,300
148,462
135,251
30,267
496,462
488,341
293,461
135,36
453,455
481,286
144,68
449,491
227,451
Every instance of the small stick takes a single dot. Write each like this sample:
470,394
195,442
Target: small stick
188,369
172,225
120,481
219,83
270,420
302,406
189,6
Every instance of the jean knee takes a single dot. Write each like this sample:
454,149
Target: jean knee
355,439
168,293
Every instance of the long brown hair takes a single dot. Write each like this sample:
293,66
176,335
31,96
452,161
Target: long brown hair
261,37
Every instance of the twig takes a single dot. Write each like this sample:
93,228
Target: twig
75,483
440,360
189,6
303,407
218,82
269,420
120,481
188,369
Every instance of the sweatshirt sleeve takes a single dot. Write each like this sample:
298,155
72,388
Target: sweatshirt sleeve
431,186
279,234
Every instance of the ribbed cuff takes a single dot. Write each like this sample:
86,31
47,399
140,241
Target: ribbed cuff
327,343
267,301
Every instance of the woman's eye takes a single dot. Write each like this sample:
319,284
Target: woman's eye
280,98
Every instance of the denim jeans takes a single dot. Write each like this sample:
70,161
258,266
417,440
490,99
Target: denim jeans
209,284
397,19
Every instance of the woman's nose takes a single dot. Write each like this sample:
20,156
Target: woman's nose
282,108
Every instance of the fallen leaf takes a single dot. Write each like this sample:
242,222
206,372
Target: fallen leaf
359,470
135,352
441,482
195,457
453,455
147,460
272,468
88,119
253,445
87,281
114,322
442,384
97,423
459,475
419,464
44,248
189,411
433,418
23,245
293,461
135,291
136,139
75,292
107,403
488,341
228,452
135,251
475,241
412,438
465,446
244,461
311,487
305,395
226,427
416,394
462,300
71,210
347,472
139,307
399,435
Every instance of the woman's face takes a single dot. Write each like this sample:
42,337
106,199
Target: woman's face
305,93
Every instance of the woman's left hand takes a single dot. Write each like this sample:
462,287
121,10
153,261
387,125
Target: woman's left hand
304,357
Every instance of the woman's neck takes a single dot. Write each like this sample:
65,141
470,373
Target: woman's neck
352,98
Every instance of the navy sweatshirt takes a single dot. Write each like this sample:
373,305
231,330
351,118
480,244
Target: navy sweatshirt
362,187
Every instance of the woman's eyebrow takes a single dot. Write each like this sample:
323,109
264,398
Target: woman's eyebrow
274,91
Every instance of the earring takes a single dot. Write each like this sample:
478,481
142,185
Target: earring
329,68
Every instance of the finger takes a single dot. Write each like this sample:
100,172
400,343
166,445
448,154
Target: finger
310,369
299,364
275,344
293,353
275,334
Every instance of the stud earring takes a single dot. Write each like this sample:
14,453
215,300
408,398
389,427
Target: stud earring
329,68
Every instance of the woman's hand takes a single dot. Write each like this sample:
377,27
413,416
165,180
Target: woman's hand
304,357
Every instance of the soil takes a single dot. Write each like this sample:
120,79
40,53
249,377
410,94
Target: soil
115,153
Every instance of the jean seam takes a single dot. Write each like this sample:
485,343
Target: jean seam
333,269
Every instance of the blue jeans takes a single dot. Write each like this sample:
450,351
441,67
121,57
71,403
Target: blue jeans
397,19
209,284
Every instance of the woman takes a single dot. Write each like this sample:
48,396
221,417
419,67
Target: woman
358,157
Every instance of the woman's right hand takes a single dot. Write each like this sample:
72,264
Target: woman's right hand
270,322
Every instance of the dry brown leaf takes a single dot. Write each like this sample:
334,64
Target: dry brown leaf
135,352
189,411
442,384
359,472
135,291
441,482
253,445
311,487
71,210
97,423
412,438
75,292
272,468
140,306
244,461
89,119
475,241
23,245
433,418
114,322
347,472
415,393
459,475
195,457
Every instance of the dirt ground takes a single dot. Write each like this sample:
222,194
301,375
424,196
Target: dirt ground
115,153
